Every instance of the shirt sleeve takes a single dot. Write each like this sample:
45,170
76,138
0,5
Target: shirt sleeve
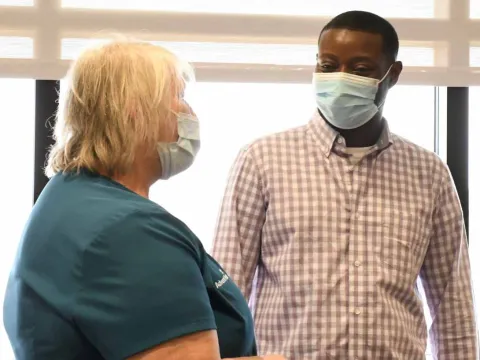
142,286
237,240
446,278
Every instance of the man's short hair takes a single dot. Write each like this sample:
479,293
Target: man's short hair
371,23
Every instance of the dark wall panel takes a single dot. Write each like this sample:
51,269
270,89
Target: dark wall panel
46,102
457,142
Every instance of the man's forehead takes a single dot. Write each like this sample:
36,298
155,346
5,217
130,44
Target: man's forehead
343,40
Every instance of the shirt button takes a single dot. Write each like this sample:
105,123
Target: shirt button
358,311
357,263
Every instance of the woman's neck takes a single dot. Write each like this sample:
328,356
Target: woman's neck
140,177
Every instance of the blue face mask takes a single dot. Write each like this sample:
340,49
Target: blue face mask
179,156
346,101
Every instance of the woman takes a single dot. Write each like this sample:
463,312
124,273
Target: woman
102,272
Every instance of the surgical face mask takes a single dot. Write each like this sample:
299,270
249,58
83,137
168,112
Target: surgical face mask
179,156
346,101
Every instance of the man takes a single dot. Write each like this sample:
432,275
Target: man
339,218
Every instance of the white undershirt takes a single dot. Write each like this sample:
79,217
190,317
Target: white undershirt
357,153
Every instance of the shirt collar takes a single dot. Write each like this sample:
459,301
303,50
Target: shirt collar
328,138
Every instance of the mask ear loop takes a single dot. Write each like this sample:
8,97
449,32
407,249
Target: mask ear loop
384,77
386,74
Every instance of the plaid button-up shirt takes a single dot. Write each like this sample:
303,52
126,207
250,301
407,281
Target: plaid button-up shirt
337,248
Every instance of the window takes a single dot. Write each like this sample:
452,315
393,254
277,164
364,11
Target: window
474,9
16,47
391,8
231,115
16,2
219,34
242,53
474,188
281,54
16,185
475,56
234,114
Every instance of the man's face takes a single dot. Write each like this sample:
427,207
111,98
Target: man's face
358,53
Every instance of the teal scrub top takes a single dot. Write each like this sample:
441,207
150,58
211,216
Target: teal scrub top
103,273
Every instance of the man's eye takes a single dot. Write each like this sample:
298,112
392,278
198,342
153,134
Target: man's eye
362,70
327,67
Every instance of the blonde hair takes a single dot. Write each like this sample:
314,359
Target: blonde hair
119,96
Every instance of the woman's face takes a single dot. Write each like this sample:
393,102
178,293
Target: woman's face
179,106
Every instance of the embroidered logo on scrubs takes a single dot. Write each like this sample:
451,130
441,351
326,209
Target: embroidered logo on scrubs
222,281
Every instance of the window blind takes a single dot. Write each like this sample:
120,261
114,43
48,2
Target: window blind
239,41
391,8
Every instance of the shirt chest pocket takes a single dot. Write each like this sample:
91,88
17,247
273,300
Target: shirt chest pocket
399,240
397,247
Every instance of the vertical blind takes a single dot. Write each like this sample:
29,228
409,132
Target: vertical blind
238,40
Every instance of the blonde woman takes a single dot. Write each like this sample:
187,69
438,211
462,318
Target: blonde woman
102,272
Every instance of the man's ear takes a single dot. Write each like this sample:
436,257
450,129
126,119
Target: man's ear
395,72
